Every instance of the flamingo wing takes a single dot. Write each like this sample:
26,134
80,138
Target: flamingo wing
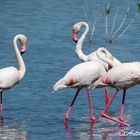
122,76
81,75
9,76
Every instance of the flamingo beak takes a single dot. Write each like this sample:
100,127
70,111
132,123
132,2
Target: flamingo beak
23,49
75,36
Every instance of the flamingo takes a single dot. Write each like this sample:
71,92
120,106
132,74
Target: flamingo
81,76
122,76
92,56
79,44
10,76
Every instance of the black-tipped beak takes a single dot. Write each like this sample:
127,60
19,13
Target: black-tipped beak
76,41
22,52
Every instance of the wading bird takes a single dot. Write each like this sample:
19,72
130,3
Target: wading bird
80,76
79,44
92,56
10,76
122,76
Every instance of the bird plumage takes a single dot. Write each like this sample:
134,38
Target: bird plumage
10,76
79,44
122,76
80,76
83,74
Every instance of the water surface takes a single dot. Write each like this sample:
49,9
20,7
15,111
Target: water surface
31,111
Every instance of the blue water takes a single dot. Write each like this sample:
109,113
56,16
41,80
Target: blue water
31,111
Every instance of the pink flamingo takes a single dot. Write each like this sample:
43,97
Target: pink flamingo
92,56
122,76
80,76
79,44
10,76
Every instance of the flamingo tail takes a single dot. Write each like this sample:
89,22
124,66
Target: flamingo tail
59,85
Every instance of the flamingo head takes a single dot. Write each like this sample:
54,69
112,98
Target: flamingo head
23,40
76,29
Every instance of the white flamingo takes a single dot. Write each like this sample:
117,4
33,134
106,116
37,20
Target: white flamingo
122,76
92,56
80,76
79,44
10,76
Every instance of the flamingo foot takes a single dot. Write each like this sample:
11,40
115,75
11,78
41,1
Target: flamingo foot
113,119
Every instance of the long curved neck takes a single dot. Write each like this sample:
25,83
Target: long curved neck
22,68
108,57
79,44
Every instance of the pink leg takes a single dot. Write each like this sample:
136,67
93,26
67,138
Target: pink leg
107,97
122,106
104,113
107,106
90,106
69,110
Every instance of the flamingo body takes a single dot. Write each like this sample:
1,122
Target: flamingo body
9,76
81,75
122,76
102,52
79,44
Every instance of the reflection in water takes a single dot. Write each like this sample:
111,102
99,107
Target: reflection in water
111,133
11,132
91,131
84,131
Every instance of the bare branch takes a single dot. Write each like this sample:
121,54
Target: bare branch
138,5
114,21
93,30
123,21
128,26
107,12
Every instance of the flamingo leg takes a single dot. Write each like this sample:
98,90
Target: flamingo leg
90,106
121,118
107,97
107,106
104,113
70,108
1,108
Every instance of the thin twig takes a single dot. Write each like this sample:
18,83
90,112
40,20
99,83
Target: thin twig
107,11
92,33
113,26
93,30
128,26
138,6
123,21
114,21
106,27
